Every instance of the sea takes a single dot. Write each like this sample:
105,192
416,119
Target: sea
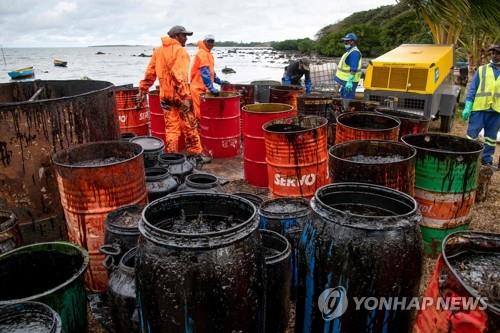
121,64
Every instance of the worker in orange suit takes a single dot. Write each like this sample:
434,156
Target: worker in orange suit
170,64
202,73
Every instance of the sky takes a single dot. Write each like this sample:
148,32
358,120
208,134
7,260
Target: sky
65,23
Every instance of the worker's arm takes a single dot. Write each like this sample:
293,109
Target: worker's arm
149,75
471,94
179,71
307,82
205,75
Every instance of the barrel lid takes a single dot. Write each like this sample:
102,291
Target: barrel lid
284,207
149,143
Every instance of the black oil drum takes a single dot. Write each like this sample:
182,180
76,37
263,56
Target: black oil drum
277,251
122,295
29,317
253,198
200,265
177,164
159,183
363,241
201,182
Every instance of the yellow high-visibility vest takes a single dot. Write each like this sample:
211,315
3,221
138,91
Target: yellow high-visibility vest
344,70
488,93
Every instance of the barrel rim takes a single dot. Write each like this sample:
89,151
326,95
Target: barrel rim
126,257
357,113
233,95
39,307
206,239
10,104
181,158
126,89
110,225
404,138
189,180
475,234
85,263
9,222
414,210
287,252
284,87
404,115
323,123
154,138
370,142
306,210
289,109
154,92
138,151
164,175
247,195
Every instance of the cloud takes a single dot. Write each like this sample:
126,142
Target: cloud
33,23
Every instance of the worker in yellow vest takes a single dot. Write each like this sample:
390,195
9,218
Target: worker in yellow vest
349,69
482,104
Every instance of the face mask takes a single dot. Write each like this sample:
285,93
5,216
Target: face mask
347,46
495,63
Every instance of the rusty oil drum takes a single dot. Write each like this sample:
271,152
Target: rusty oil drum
262,89
65,113
285,94
95,179
254,147
319,105
220,124
200,265
410,123
446,178
467,271
296,155
132,116
366,126
385,163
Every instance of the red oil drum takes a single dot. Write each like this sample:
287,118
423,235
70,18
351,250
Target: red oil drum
95,179
462,294
296,155
220,124
366,126
410,123
157,119
254,147
132,117
285,94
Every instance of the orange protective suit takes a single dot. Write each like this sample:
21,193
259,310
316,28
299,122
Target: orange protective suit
203,58
170,64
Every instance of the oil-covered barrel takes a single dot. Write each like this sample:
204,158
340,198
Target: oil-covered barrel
410,123
200,265
65,113
363,242
296,155
200,182
122,295
319,105
366,126
220,128
386,163
133,115
262,89
285,95
50,273
29,317
95,179
152,148
466,280
246,91
278,277
177,164
446,175
287,216
353,105
254,147
253,198
159,183
10,234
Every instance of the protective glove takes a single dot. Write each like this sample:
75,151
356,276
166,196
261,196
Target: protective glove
214,92
285,80
224,82
308,87
348,84
467,110
140,97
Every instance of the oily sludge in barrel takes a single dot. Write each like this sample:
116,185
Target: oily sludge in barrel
363,241
200,266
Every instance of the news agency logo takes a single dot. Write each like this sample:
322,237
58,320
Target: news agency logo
332,303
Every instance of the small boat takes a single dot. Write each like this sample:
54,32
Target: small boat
60,63
22,73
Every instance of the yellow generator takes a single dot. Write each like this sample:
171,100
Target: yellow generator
415,78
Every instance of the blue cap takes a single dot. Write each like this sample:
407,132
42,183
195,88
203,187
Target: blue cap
350,36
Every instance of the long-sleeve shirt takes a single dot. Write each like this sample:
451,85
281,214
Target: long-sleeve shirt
474,85
294,73
352,60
